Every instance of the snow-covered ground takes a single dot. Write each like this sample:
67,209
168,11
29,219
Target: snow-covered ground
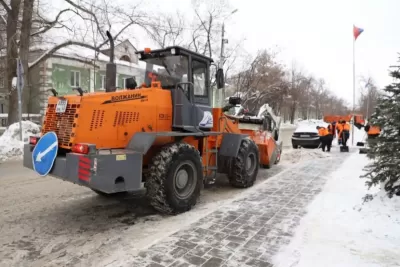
339,230
291,156
10,146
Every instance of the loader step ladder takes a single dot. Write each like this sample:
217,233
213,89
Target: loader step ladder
210,178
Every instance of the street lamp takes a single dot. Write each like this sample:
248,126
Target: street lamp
223,42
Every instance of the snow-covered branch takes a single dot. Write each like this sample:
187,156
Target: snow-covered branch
51,51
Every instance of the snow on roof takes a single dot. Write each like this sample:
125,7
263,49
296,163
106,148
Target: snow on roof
83,53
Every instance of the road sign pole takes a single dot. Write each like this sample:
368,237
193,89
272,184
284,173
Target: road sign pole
20,113
20,86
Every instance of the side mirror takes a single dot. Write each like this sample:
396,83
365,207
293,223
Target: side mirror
234,100
219,77
131,83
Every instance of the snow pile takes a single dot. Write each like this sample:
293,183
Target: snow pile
339,230
299,122
287,125
291,156
10,145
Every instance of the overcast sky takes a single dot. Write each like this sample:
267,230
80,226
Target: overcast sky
318,34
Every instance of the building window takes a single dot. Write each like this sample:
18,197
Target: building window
1,82
124,81
125,58
103,81
75,79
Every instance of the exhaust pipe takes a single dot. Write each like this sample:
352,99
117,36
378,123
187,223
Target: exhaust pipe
111,68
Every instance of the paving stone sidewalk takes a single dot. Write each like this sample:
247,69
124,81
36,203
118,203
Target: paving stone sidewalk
250,230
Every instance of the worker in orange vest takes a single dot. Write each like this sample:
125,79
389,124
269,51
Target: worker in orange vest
325,137
339,128
343,132
372,131
332,129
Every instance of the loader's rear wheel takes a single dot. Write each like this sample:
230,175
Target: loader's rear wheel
244,168
174,179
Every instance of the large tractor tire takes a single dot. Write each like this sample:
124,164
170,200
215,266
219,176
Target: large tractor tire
244,168
174,179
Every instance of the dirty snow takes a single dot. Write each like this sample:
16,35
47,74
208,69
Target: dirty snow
341,231
291,156
10,145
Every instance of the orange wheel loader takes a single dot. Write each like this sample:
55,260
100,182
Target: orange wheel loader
163,137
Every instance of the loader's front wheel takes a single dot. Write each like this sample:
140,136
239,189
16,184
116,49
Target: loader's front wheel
174,179
244,168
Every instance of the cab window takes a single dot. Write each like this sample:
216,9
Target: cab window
199,78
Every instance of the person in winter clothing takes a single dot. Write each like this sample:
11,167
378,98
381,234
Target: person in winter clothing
372,131
325,137
331,133
339,128
332,129
343,132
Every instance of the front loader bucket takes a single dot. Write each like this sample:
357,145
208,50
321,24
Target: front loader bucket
360,144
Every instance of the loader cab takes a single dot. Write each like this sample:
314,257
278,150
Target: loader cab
187,75
175,65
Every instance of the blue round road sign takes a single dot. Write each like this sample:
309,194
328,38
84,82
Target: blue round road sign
45,153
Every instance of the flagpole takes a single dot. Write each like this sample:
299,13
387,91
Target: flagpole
354,89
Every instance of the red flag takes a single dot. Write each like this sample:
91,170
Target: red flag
356,32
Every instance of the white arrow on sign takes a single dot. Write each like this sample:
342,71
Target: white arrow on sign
40,155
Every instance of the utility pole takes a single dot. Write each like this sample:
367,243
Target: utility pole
367,115
222,57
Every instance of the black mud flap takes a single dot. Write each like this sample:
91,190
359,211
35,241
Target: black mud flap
344,149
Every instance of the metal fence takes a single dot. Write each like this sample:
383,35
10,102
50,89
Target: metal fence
36,118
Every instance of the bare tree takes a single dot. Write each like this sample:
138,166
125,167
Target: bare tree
261,81
368,96
298,85
99,15
167,30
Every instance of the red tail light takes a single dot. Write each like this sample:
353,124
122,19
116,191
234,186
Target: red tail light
80,148
33,140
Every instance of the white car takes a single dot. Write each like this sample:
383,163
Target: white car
306,134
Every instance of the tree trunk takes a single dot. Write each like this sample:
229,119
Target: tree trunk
12,54
292,112
24,45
